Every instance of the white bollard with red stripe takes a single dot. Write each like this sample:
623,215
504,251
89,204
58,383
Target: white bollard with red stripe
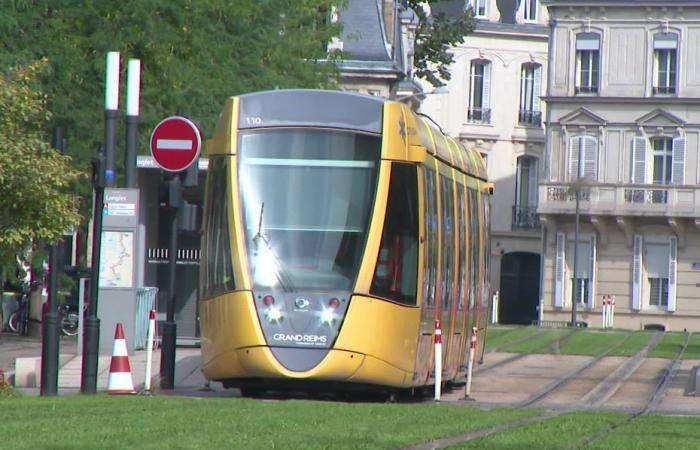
438,360
612,311
149,349
605,311
120,381
470,363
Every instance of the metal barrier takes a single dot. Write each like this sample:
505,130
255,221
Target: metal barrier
558,324
146,300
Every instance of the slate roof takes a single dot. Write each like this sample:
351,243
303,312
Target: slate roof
363,33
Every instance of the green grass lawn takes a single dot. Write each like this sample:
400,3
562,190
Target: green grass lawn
556,433
633,345
102,421
538,344
176,422
668,346
693,350
498,336
591,343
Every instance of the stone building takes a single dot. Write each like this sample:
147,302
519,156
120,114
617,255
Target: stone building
623,129
493,104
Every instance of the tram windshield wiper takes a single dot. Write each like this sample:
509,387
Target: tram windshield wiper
280,272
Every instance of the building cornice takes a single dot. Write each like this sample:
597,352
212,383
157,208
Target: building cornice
637,100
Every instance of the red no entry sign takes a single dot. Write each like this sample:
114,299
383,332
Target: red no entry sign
175,143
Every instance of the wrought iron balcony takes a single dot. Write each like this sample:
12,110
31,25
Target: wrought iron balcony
525,218
530,118
586,89
621,199
479,115
663,90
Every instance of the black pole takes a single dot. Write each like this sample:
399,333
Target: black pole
132,135
167,358
91,334
110,147
51,321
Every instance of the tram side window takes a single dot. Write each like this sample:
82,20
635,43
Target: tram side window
217,275
430,250
461,248
396,272
448,261
475,243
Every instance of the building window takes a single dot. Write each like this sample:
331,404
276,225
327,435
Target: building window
479,7
530,86
587,63
581,281
583,158
657,161
525,208
665,57
654,270
530,13
656,265
479,92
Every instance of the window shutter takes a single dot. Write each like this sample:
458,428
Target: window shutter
532,184
574,144
672,267
536,89
590,157
472,69
487,86
591,277
678,173
639,160
637,274
559,272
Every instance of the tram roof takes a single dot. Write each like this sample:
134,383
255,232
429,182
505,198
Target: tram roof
347,110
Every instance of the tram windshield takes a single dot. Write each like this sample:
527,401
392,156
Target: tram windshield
306,196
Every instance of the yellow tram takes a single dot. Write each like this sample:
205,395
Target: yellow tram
338,228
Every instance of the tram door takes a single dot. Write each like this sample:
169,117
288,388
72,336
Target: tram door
520,279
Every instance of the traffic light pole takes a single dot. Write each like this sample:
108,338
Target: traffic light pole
91,335
167,358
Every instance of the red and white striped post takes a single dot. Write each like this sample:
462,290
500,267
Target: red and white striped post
470,363
438,360
149,349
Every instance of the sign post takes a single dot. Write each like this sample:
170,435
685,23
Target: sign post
175,145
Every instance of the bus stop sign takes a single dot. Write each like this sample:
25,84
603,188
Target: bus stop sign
175,143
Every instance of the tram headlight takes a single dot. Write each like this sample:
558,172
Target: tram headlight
327,315
273,313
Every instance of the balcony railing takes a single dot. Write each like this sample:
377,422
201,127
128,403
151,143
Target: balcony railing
663,90
479,115
525,218
530,118
621,199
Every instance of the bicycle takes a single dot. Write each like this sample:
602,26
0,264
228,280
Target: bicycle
18,322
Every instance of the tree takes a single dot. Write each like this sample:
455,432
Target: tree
434,37
35,180
194,53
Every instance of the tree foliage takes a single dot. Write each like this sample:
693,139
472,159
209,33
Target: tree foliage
35,180
434,37
194,54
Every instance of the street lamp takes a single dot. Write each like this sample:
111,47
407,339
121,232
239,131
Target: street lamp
577,186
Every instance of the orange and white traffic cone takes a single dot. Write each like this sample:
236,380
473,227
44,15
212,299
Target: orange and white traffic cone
120,381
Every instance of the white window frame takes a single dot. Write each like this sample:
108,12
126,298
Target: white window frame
586,147
640,278
588,45
666,45
531,200
530,91
480,8
530,10
485,104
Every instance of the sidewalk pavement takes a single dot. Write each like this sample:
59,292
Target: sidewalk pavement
26,370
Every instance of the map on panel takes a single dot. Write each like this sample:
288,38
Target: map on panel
117,259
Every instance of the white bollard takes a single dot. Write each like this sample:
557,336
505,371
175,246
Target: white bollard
612,311
494,307
470,363
605,311
149,349
438,360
